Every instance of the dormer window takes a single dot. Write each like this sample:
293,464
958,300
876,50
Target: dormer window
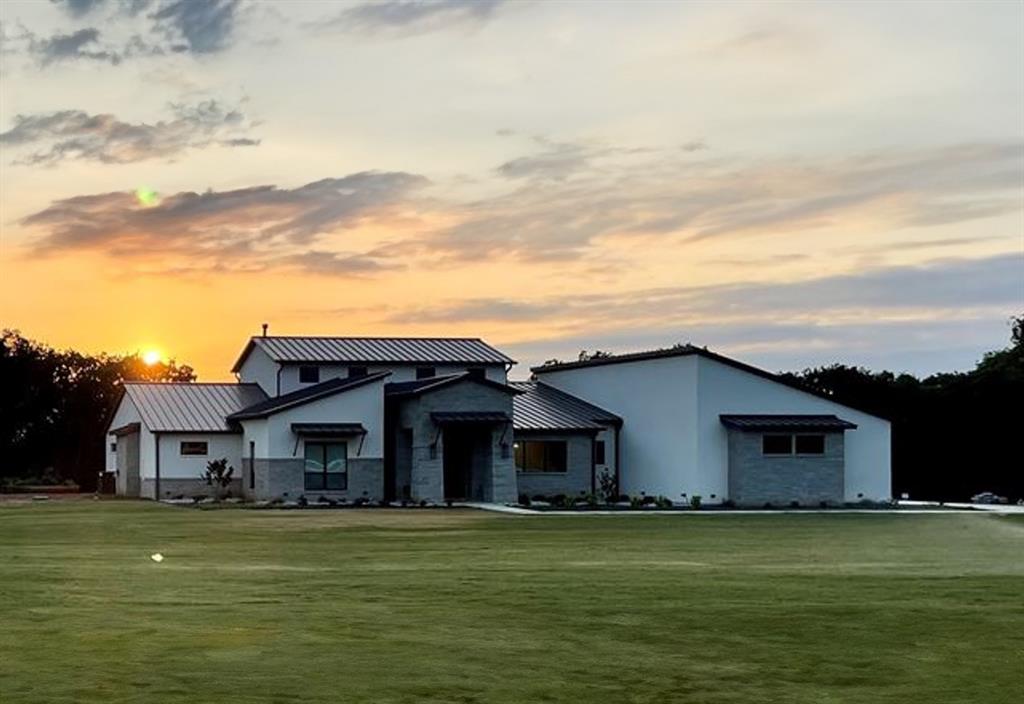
309,374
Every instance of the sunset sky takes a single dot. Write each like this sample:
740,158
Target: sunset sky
790,184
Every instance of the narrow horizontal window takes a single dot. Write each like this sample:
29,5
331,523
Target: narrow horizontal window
777,445
193,447
309,374
810,444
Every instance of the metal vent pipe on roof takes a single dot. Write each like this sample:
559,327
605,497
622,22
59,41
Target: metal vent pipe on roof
265,326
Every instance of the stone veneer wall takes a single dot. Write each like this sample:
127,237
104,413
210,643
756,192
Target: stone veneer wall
756,479
574,481
284,479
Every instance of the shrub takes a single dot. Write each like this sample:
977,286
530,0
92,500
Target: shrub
695,501
794,504
663,502
608,487
635,502
524,500
218,475
303,501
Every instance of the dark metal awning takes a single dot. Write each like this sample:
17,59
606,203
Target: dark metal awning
126,429
786,423
323,430
443,417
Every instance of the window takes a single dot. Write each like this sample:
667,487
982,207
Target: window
541,455
354,372
777,445
113,447
425,372
252,464
193,447
326,466
477,372
810,444
309,374
599,452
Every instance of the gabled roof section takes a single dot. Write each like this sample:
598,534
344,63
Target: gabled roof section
420,386
190,407
686,351
315,392
783,422
543,407
375,350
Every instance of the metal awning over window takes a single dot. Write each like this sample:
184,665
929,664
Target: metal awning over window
786,423
328,430
448,417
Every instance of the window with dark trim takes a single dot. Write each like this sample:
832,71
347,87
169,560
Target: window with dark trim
777,445
599,452
425,372
810,444
541,455
113,447
355,372
309,374
194,447
252,464
326,466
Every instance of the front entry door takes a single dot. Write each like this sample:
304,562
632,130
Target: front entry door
458,463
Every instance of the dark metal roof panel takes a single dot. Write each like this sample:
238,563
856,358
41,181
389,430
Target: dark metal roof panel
470,417
190,407
381,350
328,429
782,422
330,387
543,407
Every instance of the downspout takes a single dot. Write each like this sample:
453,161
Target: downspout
156,484
593,463
279,368
618,476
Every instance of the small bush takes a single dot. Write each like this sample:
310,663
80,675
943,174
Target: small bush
608,487
524,500
794,504
635,502
303,501
663,502
695,501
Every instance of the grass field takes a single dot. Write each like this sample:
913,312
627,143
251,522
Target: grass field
459,606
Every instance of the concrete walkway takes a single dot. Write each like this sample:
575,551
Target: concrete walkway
916,508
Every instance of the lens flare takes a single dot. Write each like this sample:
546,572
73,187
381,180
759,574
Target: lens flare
147,197
151,357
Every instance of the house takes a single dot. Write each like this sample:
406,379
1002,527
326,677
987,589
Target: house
431,419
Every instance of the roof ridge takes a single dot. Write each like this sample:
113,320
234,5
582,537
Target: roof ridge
363,337
190,383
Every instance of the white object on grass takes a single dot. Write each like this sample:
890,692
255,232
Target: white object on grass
156,557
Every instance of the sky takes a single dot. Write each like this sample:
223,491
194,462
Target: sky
791,184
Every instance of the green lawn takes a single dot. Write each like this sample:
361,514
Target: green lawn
454,606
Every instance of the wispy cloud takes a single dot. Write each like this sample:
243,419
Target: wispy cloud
405,17
197,26
75,134
244,229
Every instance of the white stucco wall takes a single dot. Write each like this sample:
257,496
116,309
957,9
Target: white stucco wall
259,368
365,404
174,465
725,389
658,403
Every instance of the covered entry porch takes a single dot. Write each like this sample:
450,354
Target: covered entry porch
451,439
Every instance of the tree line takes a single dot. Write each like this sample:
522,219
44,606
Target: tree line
54,407
953,434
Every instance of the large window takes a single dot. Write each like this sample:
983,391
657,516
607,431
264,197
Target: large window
326,466
541,455
793,444
599,457
196,448
309,374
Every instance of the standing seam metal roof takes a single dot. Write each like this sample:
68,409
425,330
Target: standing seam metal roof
190,407
543,407
408,350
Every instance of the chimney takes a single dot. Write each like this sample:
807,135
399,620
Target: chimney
265,326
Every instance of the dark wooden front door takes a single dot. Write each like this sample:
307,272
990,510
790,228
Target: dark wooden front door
458,463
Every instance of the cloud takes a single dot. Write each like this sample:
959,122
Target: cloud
568,198
80,45
941,284
78,8
245,229
202,27
75,134
408,17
